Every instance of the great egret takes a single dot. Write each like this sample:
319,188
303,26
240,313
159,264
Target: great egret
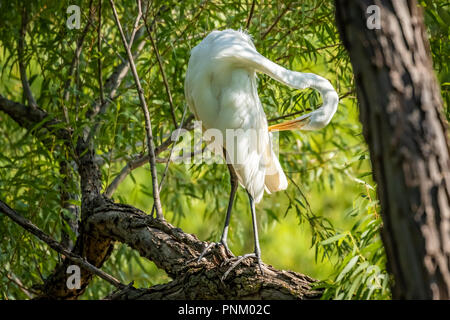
221,91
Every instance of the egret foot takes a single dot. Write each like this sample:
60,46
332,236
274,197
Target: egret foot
214,244
240,259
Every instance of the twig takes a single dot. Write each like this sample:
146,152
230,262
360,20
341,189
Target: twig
27,119
112,85
30,227
302,111
93,23
173,145
136,24
120,292
189,24
148,127
276,21
137,163
65,198
171,151
250,15
163,73
99,49
64,166
74,63
19,284
23,72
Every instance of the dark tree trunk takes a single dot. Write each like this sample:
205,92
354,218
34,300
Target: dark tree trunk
400,110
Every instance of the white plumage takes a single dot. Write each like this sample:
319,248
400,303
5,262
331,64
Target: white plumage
221,91
223,95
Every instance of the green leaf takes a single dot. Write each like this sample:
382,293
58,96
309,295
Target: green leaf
333,239
348,267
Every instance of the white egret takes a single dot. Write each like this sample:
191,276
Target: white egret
221,91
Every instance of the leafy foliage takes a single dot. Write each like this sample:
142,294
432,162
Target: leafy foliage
326,224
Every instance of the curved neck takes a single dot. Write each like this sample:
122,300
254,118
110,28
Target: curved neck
248,57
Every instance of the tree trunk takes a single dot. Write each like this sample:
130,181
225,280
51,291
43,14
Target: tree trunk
400,110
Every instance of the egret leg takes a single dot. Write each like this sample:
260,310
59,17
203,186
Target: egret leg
223,239
234,186
257,253
255,232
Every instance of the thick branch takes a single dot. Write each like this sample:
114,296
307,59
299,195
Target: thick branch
29,118
95,250
176,252
136,25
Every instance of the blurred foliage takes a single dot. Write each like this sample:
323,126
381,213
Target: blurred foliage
326,224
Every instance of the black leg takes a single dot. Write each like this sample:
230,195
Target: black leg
257,253
234,186
255,232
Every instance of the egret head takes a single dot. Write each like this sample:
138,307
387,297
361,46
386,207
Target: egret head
314,120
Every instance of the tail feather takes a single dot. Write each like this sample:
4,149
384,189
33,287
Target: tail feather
275,179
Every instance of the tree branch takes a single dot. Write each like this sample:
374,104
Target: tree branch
136,25
140,161
114,81
306,110
148,127
250,14
75,62
169,158
176,252
276,21
22,68
27,225
200,9
30,118
171,250
64,164
99,49
163,73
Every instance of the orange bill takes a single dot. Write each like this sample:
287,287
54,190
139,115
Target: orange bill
295,124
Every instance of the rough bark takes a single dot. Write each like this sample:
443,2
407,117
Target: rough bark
176,253
400,110
96,250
